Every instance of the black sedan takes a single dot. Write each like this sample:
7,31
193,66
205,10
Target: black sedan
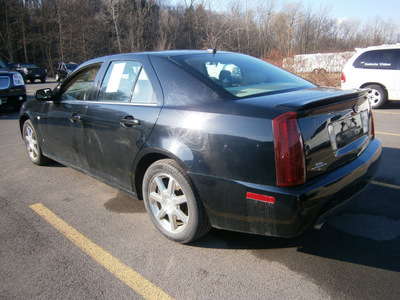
208,139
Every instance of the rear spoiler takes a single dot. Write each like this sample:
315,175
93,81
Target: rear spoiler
334,102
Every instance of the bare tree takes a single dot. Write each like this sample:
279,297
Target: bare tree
113,8
48,30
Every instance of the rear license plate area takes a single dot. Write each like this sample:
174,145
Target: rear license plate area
347,130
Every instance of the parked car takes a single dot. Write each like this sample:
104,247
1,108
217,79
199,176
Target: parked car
376,68
31,72
204,151
12,87
63,69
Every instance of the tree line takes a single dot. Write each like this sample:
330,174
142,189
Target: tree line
48,31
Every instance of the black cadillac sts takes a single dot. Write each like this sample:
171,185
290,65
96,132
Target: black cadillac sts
208,139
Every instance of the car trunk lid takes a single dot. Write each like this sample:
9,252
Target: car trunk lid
336,126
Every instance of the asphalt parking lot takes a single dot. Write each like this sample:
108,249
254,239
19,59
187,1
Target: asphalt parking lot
64,235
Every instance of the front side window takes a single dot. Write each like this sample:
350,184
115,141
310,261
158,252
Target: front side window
242,75
378,59
79,87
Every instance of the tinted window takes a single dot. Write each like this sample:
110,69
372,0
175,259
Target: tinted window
242,75
28,66
71,66
378,59
2,64
79,87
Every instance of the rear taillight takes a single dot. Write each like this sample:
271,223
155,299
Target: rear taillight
372,125
343,78
289,151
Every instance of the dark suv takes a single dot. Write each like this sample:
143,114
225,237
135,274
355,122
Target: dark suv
63,69
31,72
12,87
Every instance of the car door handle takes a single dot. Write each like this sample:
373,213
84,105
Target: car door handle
129,121
75,118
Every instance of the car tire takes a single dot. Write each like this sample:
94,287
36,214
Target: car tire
377,96
32,80
32,144
43,80
172,202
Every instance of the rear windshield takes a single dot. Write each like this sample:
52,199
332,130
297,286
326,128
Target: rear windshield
28,66
242,75
71,66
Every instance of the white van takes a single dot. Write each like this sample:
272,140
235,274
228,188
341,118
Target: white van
376,68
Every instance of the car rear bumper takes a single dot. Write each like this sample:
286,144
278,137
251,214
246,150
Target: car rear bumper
294,209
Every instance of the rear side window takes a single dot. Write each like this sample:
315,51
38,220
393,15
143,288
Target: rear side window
379,59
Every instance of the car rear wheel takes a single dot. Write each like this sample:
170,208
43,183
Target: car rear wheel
32,144
172,202
376,95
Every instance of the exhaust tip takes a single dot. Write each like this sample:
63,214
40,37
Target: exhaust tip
319,225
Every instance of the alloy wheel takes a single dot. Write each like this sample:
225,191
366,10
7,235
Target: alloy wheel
168,203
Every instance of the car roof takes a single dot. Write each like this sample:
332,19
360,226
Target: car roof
381,47
165,54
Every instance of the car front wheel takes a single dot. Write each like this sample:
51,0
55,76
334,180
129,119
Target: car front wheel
376,95
32,144
172,202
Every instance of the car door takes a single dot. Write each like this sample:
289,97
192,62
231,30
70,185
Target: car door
117,125
61,119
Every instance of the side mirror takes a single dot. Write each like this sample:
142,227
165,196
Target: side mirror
44,94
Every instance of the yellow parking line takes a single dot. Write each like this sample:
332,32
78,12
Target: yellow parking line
387,133
392,186
385,112
130,277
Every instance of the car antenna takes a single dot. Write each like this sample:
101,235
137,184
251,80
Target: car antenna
213,50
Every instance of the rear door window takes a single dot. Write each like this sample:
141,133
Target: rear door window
119,81
127,81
